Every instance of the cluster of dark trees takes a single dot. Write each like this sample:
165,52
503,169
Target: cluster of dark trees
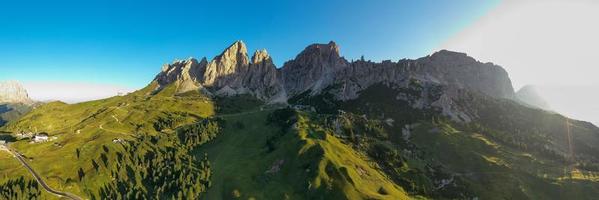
169,120
20,188
198,133
159,166
236,104
282,118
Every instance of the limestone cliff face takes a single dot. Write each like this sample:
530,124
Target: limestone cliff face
228,68
185,73
313,69
262,79
13,92
320,66
230,73
444,68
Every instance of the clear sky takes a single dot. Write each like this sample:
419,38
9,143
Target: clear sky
124,43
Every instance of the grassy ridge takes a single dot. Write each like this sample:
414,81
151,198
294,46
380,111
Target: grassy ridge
259,157
82,130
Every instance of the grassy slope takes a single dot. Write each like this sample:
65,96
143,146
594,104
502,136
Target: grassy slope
11,112
495,171
11,169
313,167
90,125
488,168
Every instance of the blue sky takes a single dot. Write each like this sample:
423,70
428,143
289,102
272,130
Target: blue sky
126,42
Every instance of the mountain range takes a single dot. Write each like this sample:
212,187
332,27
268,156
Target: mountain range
320,68
444,126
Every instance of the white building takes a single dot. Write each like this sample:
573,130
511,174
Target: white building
42,137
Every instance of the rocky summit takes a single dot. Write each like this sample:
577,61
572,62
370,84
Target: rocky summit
230,73
13,92
320,68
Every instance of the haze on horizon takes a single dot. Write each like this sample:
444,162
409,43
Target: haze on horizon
549,44
114,46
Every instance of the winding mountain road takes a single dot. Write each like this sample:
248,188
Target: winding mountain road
39,179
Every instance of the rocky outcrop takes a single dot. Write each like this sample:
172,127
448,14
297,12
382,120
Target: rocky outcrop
320,66
13,92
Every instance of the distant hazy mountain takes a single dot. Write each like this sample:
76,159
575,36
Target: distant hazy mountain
14,101
529,95
13,92
444,126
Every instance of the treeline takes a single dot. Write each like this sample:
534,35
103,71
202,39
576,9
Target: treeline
170,120
20,188
158,166
384,145
236,104
198,133
283,118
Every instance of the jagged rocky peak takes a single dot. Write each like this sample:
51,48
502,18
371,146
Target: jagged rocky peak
324,51
262,79
320,66
321,56
13,92
313,69
237,52
185,73
229,73
261,56
227,68
262,63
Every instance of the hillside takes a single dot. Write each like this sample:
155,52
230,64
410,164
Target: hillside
508,152
79,132
444,126
10,112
